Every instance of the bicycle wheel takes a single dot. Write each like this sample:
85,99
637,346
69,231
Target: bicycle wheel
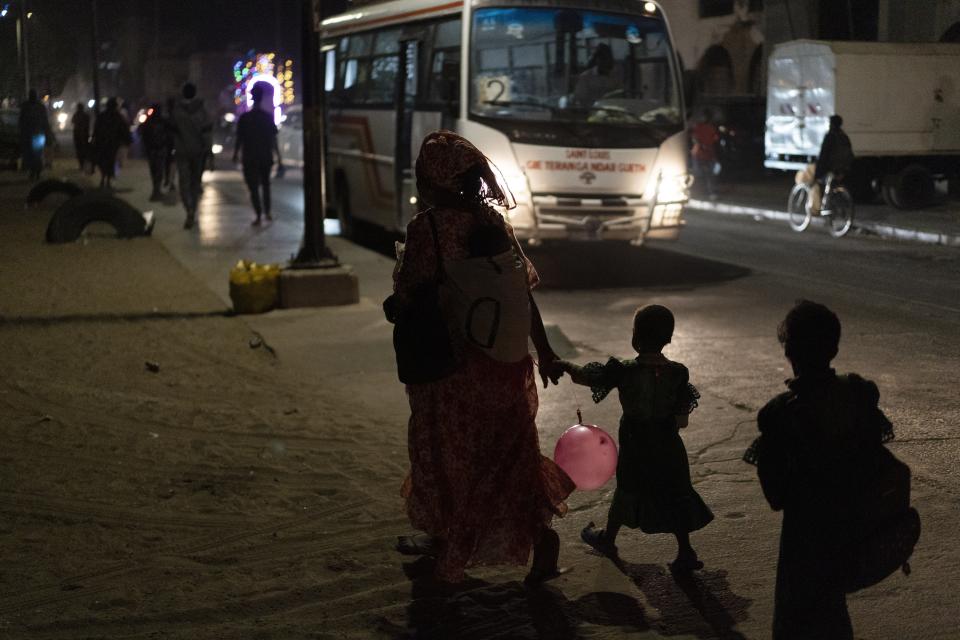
798,208
840,220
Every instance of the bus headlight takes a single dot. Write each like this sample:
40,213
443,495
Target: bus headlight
517,183
674,188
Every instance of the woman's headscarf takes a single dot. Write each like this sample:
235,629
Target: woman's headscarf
444,161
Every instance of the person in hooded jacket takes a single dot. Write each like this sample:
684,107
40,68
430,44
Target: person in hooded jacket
35,134
81,135
110,132
192,139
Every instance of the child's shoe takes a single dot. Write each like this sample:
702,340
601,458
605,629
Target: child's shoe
596,538
685,564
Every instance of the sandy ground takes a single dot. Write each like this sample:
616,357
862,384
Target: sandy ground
212,498
237,492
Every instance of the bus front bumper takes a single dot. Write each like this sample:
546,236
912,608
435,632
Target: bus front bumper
618,219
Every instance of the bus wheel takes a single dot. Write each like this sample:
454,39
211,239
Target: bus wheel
348,225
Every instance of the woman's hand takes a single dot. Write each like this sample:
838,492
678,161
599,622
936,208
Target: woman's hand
551,369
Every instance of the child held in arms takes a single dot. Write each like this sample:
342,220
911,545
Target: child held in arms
654,492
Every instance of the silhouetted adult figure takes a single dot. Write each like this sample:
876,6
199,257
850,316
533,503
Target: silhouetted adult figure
110,132
705,137
169,165
478,484
816,443
836,152
192,139
257,142
35,134
81,135
155,136
597,81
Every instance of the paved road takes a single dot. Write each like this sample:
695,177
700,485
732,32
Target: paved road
729,282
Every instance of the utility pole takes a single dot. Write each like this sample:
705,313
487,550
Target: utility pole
25,15
95,56
313,251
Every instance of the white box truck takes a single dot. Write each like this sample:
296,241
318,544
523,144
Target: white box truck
900,104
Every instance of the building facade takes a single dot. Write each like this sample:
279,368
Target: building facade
722,43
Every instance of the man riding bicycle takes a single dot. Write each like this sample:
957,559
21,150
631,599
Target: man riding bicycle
836,154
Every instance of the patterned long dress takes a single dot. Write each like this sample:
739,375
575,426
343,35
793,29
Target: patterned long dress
477,479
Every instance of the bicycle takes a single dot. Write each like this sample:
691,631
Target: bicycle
836,206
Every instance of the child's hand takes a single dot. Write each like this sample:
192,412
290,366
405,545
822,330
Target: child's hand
550,370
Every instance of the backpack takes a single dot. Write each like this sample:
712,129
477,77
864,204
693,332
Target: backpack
886,527
487,301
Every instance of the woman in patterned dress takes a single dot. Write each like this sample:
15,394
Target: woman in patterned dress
478,485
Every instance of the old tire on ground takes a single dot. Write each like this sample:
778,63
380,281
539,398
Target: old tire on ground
44,188
911,188
73,216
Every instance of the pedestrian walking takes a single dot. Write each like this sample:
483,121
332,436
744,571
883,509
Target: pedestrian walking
81,135
706,137
654,492
192,131
35,134
817,442
256,142
110,132
169,166
478,484
155,136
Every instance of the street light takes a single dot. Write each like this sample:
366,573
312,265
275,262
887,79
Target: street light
23,50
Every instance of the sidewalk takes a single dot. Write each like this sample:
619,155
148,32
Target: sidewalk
223,493
766,199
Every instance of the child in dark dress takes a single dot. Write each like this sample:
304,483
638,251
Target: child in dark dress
654,492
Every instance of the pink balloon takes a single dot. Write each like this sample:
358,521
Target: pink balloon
587,454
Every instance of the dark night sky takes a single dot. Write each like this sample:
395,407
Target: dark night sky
60,32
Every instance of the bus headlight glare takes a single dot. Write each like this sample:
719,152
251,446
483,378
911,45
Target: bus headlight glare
517,183
674,188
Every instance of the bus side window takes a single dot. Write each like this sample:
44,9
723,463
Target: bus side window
355,67
384,68
443,74
329,61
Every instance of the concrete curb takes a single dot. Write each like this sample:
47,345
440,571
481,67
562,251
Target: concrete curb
881,229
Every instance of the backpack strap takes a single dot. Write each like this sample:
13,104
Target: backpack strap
436,244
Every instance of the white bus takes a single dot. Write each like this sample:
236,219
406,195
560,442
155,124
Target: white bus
577,102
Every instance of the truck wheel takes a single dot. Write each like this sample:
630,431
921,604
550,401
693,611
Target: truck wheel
73,216
862,182
911,188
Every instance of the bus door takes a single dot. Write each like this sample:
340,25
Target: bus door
406,145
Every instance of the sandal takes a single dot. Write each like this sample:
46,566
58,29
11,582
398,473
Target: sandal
685,564
596,539
418,544
538,576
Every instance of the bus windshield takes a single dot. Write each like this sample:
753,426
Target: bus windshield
549,65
